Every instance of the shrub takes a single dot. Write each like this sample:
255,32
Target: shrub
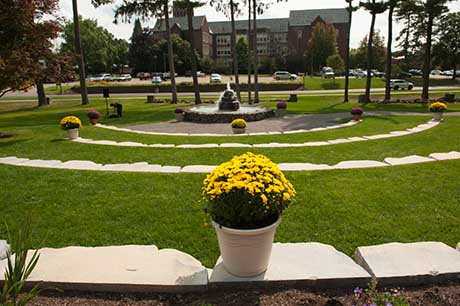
239,124
70,122
357,111
179,110
281,105
437,107
247,192
93,114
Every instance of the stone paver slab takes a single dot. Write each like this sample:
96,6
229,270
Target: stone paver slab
337,141
41,163
235,145
357,139
313,263
198,146
197,169
170,169
316,143
4,247
413,159
79,165
446,156
410,263
356,164
12,160
379,136
129,267
302,167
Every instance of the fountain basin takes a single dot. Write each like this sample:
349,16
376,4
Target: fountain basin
211,114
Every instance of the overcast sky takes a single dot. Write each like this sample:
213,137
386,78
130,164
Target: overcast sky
361,22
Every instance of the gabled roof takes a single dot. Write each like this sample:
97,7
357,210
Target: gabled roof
306,17
273,24
182,22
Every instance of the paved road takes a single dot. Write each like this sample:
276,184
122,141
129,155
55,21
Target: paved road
333,92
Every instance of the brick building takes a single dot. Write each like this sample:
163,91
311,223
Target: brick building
278,37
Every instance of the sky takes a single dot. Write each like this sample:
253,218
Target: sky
360,25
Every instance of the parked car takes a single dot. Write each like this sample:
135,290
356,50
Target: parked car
215,78
122,78
436,72
416,72
101,77
359,73
144,75
404,74
284,75
201,74
378,74
448,73
327,73
156,80
167,75
398,84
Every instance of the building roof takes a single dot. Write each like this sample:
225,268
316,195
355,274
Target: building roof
182,22
273,24
306,17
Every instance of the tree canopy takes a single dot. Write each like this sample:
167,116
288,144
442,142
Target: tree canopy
322,44
359,55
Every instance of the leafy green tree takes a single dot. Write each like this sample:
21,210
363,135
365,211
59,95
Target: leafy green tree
447,49
120,55
374,9
242,48
182,58
432,10
359,55
138,47
335,62
322,44
408,15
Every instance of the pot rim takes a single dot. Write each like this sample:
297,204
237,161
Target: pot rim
246,232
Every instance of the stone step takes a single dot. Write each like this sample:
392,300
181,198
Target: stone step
409,264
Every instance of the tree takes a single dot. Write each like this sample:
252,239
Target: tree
230,9
392,4
358,57
374,9
26,38
146,9
447,48
79,54
322,44
190,6
182,55
432,9
350,10
407,14
242,53
335,62
137,47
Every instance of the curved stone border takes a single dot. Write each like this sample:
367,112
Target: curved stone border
156,168
422,127
115,128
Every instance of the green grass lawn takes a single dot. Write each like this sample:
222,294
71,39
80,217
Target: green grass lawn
345,208
363,207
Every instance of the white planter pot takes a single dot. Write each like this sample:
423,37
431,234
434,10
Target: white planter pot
437,116
246,253
238,130
280,112
72,133
180,117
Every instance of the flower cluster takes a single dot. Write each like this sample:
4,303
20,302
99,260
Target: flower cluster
179,110
281,105
70,122
239,124
437,107
372,297
93,114
249,191
357,111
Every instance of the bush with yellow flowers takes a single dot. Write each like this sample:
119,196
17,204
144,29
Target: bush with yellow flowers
70,122
437,107
239,124
247,192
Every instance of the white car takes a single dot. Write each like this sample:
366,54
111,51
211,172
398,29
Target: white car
215,78
284,75
125,77
327,73
156,80
101,77
436,72
398,84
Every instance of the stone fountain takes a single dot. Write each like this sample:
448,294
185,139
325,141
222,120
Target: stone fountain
227,109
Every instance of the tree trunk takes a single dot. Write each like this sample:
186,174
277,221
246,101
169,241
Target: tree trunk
234,55
406,42
41,94
347,55
256,54
249,54
367,97
172,71
427,63
196,87
79,53
389,57
454,76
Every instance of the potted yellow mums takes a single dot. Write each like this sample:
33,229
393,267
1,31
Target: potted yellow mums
245,199
71,124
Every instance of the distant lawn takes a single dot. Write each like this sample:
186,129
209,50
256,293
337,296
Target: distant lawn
343,208
316,83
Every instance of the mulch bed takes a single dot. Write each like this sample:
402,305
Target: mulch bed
445,295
